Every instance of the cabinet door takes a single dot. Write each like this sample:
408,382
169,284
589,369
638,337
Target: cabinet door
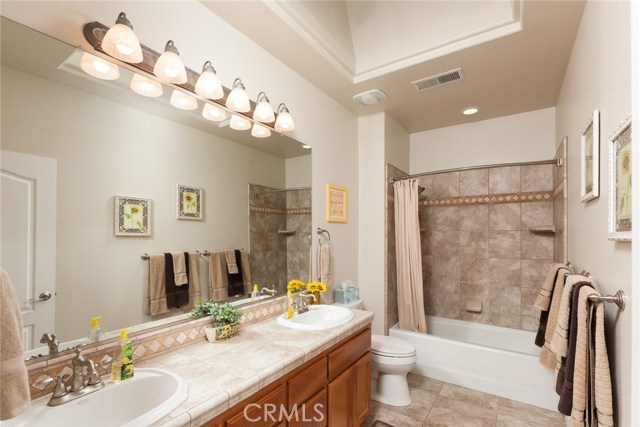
340,413
312,413
361,396
266,412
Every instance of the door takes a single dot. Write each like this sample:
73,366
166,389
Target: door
28,238
361,389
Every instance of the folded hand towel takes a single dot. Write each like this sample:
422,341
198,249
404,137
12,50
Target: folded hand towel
324,263
232,264
179,268
14,383
219,277
547,357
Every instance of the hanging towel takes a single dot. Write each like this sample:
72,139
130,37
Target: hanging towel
155,298
544,303
232,263
547,357
219,277
235,280
14,389
180,268
324,263
176,296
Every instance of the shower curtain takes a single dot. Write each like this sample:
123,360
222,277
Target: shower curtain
408,256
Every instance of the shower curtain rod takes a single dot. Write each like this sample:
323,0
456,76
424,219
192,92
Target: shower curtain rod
558,162
281,191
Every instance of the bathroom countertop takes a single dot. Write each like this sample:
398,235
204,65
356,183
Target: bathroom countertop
223,374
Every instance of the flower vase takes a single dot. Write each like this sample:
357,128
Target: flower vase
315,301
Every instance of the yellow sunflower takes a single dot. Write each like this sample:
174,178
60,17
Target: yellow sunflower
134,210
316,287
295,285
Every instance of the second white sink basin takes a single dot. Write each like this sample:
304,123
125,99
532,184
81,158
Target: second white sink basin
318,318
150,395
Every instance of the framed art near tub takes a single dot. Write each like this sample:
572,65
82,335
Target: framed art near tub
132,216
189,202
590,159
620,182
336,203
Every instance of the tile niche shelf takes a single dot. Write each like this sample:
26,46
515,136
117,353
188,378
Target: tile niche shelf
543,229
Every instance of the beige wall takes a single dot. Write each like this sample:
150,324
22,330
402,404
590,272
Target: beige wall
516,138
297,172
598,76
396,143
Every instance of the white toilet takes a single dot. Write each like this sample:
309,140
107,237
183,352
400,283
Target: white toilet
392,359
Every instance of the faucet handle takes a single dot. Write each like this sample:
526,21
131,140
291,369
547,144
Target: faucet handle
60,388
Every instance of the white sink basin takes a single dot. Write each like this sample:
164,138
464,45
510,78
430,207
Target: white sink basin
147,397
318,318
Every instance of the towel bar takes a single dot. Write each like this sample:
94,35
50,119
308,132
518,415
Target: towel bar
145,256
618,299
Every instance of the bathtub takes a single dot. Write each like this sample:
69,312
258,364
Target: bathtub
492,359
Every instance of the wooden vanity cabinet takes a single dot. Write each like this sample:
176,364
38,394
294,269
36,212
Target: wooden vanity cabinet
331,390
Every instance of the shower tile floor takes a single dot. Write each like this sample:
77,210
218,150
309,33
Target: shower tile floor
442,404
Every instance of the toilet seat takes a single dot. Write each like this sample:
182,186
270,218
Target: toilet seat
391,347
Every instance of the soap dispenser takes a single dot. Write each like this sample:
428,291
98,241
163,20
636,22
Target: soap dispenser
94,330
126,356
255,293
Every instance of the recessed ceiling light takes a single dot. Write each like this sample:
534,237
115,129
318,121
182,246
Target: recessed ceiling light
370,97
306,147
468,111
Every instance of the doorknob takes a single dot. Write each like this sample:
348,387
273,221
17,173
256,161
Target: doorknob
44,296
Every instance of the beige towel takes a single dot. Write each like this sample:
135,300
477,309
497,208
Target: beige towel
179,269
547,357
155,298
543,301
324,263
14,380
218,284
601,375
230,257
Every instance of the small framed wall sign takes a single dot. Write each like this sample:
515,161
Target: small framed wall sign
337,199
620,182
189,202
132,216
590,159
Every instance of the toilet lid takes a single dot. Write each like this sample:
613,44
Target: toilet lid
390,346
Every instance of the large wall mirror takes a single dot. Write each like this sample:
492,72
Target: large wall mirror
71,143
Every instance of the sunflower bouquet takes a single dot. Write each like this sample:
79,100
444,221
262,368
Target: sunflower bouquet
315,288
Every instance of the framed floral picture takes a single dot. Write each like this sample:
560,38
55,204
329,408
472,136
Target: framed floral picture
590,159
620,182
132,216
336,203
189,202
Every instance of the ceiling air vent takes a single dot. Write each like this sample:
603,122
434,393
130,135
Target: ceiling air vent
438,80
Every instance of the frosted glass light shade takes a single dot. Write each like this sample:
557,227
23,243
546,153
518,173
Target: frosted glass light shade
284,122
145,86
260,131
169,66
208,84
98,67
238,99
239,123
213,113
263,112
183,101
121,42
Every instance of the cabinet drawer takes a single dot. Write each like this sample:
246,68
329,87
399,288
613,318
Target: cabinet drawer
308,382
349,353
264,412
312,413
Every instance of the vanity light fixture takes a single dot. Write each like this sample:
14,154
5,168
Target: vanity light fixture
169,67
121,42
98,67
208,84
238,99
468,111
263,112
183,101
260,131
213,113
284,122
145,86
239,123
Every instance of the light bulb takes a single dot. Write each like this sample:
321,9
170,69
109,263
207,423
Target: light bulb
208,84
183,101
121,42
145,86
263,112
239,123
238,99
213,113
260,131
468,111
98,67
169,66
284,122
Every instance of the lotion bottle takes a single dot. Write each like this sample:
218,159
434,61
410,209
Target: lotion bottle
94,330
255,293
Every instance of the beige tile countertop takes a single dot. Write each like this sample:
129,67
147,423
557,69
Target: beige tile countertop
222,374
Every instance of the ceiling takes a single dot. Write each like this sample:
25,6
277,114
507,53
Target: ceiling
513,53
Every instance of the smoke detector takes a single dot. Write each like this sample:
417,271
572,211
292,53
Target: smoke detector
370,97
438,80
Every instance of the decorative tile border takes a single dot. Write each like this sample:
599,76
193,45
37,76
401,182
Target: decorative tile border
146,344
297,211
559,190
540,196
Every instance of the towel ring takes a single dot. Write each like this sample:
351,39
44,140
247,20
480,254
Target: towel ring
322,231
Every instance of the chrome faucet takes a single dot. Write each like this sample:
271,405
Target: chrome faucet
51,341
301,302
271,291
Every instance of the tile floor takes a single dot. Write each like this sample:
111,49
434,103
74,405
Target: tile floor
442,404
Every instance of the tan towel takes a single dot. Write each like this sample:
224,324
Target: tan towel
14,380
179,269
324,263
230,258
155,298
543,301
601,375
218,284
547,357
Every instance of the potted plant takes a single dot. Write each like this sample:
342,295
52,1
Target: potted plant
225,319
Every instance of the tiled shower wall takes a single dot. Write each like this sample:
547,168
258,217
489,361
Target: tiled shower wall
477,242
277,257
